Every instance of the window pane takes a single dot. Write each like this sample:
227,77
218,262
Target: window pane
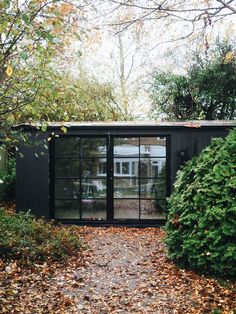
126,167
126,209
117,168
95,188
67,146
94,209
67,209
66,167
158,140
93,147
153,188
66,188
152,209
90,167
127,147
102,168
152,146
153,167
126,188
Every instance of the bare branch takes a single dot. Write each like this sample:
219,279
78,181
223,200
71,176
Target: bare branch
227,5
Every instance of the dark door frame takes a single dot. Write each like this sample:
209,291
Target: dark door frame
110,178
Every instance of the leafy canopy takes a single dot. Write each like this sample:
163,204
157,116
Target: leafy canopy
206,91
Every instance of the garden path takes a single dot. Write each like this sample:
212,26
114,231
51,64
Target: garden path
126,271
123,270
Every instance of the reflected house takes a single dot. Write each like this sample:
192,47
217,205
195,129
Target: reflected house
126,163
113,173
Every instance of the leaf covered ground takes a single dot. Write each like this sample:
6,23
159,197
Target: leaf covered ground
123,270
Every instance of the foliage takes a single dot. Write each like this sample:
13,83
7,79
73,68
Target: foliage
160,190
31,33
64,98
202,211
8,177
207,91
23,237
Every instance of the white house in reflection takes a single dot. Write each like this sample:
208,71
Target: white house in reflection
144,161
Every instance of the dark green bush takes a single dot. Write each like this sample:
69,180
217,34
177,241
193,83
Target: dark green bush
23,237
8,177
201,225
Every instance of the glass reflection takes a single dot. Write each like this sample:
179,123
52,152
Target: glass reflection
93,167
152,146
153,188
66,188
94,188
94,209
65,167
67,146
93,147
153,167
153,209
67,209
126,167
126,188
126,209
127,147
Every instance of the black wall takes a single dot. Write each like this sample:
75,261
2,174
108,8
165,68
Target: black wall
33,169
32,180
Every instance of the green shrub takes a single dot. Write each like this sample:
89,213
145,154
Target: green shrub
201,224
23,237
9,180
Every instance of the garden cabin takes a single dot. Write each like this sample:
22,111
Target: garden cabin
107,173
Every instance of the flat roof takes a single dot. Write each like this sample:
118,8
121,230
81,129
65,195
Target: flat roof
124,124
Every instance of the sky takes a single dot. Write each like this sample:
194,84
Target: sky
141,49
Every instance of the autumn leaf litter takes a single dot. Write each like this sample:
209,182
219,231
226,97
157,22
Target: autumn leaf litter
123,270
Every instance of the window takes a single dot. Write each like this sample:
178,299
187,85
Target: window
102,168
125,168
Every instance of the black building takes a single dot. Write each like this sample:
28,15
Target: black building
107,173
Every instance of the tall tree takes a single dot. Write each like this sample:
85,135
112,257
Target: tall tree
206,91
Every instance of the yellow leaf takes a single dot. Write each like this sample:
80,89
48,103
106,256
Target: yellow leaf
9,70
64,129
31,47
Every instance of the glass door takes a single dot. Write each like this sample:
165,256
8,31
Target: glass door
139,177
109,178
80,178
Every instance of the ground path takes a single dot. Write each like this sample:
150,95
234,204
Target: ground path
126,271
123,270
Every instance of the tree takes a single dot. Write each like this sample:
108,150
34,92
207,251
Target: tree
195,14
206,91
64,98
121,60
31,32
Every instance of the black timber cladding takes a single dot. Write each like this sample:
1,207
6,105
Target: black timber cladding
186,139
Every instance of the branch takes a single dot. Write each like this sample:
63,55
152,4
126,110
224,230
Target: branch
227,5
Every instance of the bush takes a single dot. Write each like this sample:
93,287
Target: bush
8,177
23,237
201,222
